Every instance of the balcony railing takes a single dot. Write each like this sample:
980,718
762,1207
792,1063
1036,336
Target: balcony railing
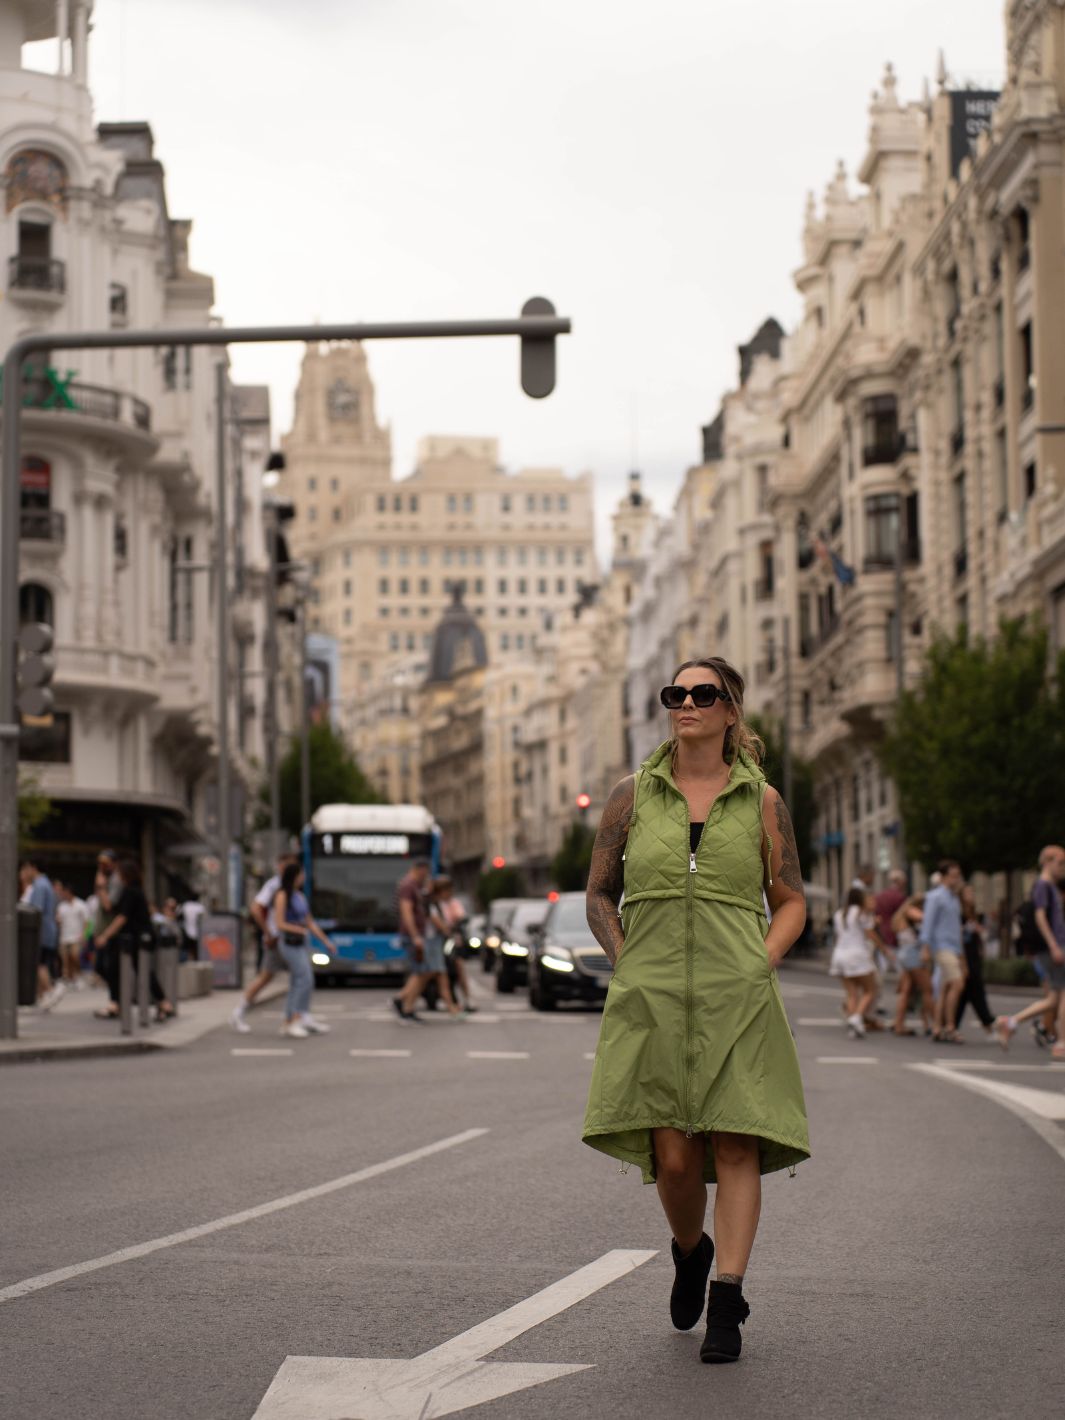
961,562
36,273
94,400
905,444
883,559
43,525
883,451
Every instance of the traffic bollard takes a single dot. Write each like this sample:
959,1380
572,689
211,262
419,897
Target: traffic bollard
144,972
125,991
167,971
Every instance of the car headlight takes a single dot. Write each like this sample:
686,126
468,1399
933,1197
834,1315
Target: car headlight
492,941
474,942
515,949
554,960
320,958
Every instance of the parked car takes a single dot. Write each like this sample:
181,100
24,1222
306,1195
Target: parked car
565,962
518,933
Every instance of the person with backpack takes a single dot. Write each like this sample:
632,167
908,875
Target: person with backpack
1049,917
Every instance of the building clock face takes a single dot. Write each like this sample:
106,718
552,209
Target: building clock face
343,401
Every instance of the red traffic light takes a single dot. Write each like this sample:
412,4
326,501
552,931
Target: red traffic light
584,801
499,862
553,895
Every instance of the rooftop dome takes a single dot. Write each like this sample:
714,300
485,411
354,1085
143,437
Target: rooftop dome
458,642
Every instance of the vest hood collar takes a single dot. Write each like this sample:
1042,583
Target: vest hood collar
743,771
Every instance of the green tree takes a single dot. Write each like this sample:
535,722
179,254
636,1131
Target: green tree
33,808
977,750
801,806
499,882
569,867
335,777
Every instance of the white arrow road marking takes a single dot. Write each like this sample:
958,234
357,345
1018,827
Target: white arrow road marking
232,1220
448,1378
1036,1107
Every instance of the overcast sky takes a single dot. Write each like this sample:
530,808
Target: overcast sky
645,167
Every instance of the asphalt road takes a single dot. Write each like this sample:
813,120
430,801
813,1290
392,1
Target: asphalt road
912,1267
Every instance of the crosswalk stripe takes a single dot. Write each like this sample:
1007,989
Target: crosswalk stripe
847,1060
277,1050
497,1055
383,1054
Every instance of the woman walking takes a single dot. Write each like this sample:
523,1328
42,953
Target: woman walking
696,1078
296,927
974,992
854,957
131,929
915,966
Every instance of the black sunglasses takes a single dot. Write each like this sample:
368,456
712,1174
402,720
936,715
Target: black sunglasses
703,696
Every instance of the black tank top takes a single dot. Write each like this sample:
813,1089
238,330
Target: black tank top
695,832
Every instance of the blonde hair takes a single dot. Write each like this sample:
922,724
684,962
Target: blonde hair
739,738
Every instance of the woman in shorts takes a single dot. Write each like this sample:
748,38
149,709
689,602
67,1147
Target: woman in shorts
915,965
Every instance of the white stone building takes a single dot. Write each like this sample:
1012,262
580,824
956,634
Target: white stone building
118,468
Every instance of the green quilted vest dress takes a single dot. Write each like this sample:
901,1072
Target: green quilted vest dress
694,1034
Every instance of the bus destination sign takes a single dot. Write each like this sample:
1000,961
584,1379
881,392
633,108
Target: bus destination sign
392,845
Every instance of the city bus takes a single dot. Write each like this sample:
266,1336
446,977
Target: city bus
354,856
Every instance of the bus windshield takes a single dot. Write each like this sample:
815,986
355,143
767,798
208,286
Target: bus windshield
357,894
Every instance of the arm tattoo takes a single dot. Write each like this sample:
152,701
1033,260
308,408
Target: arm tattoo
606,876
790,872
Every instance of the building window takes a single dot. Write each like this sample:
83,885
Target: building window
563,502
382,556
1024,250
413,502
347,619
530,503
541,587
1029,480
807,706
504,641
881,530
336,515
880,430
404,586
523,587
334,485
404,556
501,586
578,557
467,502
560,586
397,503
505,502
452,503
541,556
382,503
1027,367
347,586
761,484
423,586
478,586
35,604
1002,473
547,503
312,485
519,641
961,527
382,586
312,515
393,641
958,387
423,557
347,557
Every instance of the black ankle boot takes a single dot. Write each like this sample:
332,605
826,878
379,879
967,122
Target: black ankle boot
688,1297
724,1316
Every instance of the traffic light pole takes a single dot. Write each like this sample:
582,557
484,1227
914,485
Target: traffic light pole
221,602
537,328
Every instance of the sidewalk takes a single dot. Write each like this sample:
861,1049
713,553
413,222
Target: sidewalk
70,1029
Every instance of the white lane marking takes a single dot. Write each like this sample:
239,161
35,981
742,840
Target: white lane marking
447,1379
383,1054
497,1055
847,1060
1013,1098
820,1021
264,1050
479,1020
232,1220
1047,1068
589,1055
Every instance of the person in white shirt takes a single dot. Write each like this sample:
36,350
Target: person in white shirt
262,914
853,956
191,912
72,915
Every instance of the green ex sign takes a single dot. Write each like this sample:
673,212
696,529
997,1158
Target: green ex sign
46,389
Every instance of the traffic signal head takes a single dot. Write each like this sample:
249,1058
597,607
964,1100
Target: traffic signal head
35,671
537,353
584,801
499,862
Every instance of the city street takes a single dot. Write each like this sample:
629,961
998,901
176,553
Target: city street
909,1269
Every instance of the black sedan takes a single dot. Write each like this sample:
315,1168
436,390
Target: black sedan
566,963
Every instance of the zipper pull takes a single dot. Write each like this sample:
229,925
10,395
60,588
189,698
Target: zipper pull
691,863
689,1134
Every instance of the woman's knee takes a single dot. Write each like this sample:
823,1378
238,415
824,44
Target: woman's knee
734,1150
677,1161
